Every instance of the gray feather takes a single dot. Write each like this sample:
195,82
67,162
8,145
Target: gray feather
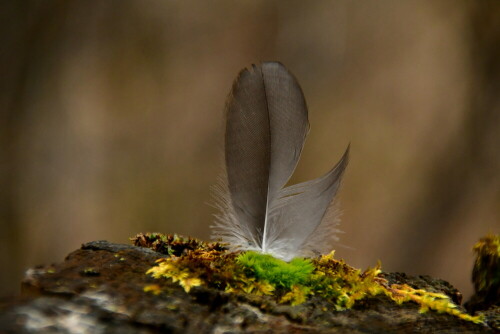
301,210
266,127
265,132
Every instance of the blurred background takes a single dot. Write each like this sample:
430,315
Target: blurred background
112,121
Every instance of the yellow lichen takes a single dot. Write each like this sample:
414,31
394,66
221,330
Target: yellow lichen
250,285
429,301
168,269
296,296
153,288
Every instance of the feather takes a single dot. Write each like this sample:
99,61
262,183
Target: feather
266,127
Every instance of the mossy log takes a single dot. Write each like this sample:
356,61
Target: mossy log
100,288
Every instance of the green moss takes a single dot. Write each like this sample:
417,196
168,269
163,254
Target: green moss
192,263
275,271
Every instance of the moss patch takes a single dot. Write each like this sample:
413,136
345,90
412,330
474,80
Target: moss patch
279,273
194,263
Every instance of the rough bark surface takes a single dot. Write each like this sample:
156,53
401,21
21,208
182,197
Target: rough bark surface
99,289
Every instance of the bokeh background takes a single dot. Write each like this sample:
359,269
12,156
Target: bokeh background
112,121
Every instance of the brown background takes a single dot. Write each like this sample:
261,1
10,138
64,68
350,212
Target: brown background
112,121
